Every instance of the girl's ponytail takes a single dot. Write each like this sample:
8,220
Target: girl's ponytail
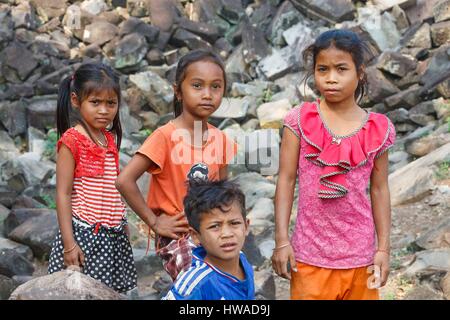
63,106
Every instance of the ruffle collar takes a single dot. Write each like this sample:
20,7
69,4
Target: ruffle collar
91,145
337,155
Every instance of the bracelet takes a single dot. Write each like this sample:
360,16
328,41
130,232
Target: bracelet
71,249
282,246
385,251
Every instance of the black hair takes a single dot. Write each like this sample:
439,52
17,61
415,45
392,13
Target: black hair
89,77
205,195
184,62
345,40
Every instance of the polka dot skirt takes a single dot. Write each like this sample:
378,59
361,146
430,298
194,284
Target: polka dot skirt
108,256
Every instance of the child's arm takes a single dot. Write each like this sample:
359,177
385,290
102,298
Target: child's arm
163,225
65,166
381,207
284,197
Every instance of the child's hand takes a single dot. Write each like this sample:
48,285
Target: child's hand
381,260
280,258
74,258
170,226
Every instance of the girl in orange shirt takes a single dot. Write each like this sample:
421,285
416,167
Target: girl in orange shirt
186,147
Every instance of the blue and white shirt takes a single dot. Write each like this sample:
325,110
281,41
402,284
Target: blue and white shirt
203,281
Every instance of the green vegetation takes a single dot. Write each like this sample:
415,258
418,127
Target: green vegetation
49,201
146,132
50,143
443,171
267,95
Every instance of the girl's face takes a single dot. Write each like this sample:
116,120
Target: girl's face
202,89
98,109
335,75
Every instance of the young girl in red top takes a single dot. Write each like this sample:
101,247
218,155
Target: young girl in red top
335,148
185,148
91,214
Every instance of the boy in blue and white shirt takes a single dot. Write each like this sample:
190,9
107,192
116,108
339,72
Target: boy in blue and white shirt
220,271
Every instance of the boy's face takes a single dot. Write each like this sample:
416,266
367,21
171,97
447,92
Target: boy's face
222,234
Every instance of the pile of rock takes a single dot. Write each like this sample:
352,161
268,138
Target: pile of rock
261,43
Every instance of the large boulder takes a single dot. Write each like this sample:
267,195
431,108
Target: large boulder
13,263
65,285
417,178
435,260
437,237
38,233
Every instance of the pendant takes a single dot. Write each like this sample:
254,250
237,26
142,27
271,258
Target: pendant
336,141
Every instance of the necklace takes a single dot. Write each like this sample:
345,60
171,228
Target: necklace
104,145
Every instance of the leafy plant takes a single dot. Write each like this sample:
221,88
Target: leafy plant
146,132
443,171
49,201
267,95
50,143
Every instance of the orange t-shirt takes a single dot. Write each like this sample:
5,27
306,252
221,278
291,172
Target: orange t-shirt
176,160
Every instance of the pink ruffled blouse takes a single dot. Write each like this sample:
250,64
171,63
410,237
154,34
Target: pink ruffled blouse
335,227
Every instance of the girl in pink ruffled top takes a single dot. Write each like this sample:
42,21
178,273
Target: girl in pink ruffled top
340,245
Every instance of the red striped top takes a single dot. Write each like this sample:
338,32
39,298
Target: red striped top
95,198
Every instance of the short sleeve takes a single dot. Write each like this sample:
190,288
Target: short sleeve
230,149
291,121
390,140
70,141
154,148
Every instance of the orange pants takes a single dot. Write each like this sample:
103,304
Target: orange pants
315,283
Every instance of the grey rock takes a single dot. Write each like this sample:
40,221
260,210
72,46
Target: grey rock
425,145
99,32
438,69
265,285
4,212
231,10
417,178
331,11
7,286
13,263
400,17
251,250
391,4
6,25
137,8
49,9
436,237
255,46
186,38
206,31
94,7
381,28
234,108
18,58
36,141
442,108
24,16
38,233
255,88
398,115
235,63
26,170
279,63
13,117
163,13
146,263
65,285
430,260
396,63
379,87
423,292
41,112
441,11
445,285
422,119
262,210
405,98
262,154
271,114
440,33
7,195
134,25
156,90
130,50
207,11
255,187
17,247
286,17
223,47
398,156
417,36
